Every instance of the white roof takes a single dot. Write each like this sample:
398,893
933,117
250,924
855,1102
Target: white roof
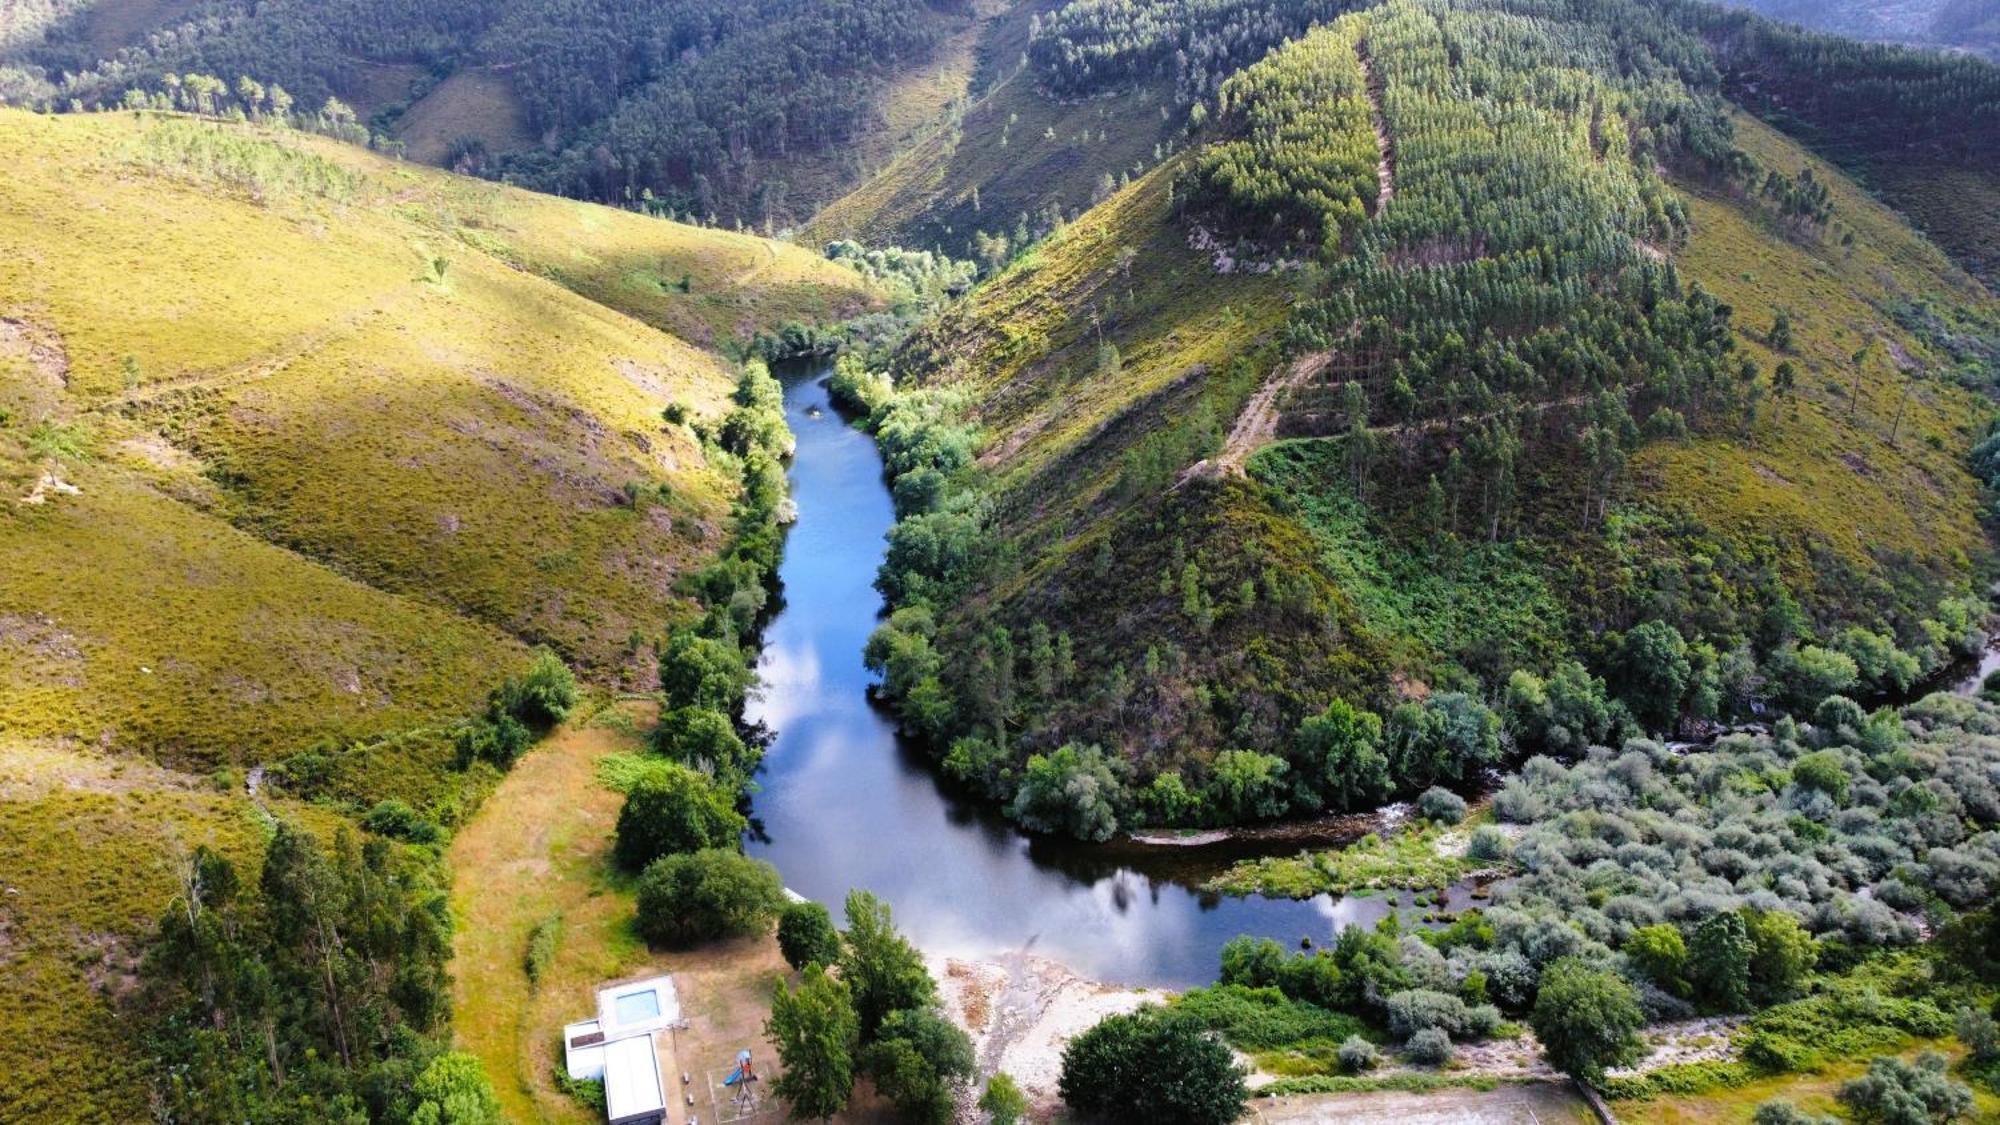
586,1060
632,1078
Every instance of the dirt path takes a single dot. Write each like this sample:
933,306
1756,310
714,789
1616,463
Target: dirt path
1385,163
1258,423
262,366
1537,1103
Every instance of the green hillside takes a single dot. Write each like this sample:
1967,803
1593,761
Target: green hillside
1409,425
303,447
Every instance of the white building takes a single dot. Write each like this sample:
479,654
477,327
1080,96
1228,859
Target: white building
619,1048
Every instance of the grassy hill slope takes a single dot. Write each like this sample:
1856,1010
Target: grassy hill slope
302,446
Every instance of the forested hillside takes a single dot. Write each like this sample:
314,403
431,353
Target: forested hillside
1920,128
1574,375
741,112
276,538
1969,25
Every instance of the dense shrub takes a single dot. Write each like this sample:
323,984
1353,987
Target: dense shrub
1429,1047
398,820
1587,1019
1487,843
1358,1055
1785,1113
1441,805
707,740
704,895
543,695
1262,1018
672,809
1073,791
1150,1068
1420,1009
543,941
1894,1092
921,1062
806,935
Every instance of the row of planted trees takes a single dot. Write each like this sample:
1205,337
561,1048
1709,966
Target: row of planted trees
310,980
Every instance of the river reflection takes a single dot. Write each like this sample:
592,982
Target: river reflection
845,804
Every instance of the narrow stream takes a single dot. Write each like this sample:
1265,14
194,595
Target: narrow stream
844,803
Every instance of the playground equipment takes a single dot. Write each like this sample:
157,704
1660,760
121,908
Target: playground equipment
742,1085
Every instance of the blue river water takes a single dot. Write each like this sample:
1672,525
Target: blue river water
844,803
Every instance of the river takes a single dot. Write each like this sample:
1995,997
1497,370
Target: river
845,803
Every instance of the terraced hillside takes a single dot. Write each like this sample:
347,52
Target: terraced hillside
300,448
1606,357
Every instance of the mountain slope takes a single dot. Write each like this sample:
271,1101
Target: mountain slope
1968,25
1521,411
748,112
300,448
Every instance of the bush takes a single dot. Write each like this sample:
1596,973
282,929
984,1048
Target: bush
707,741
453,1090
685,899
496,739
542,943
671,810
1421,1010
806,935
1785,1113
1481,1021
1429,1047
1661,953
1782,953
919,1061
1894,1092
1261,1019
397,820
1588,1019
1148,1068
1003,1100
543,695
698,671
1441,805
1488,844
1977,1030
1072,792
1358,1055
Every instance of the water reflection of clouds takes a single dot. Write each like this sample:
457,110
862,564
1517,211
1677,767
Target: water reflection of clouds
788,680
